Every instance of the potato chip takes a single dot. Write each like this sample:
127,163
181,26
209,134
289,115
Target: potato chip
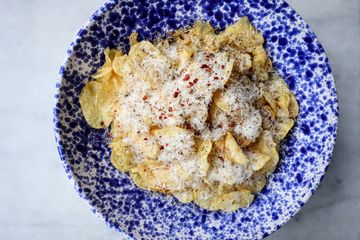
118,63
242,35
150,148
98,101
133,38
233,152
284,102
259,57
121,156
234,200
159,176
293,106
203,151
220,101
283,127
271,101
184,196
256,182
257,160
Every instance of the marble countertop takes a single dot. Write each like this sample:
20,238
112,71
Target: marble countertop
36,199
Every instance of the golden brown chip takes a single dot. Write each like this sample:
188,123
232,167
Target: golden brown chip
219,100
283,127
232,201
121,156
242,35
133,38
98,102
233,152
259,57
293,106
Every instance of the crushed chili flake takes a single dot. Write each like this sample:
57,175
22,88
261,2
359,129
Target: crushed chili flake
195,80
206,67
220,125
222,66
216,78
176,94
170,109
187,77
190,84
208,84
145,97
189,127
161,147
232,124
145,139
167,144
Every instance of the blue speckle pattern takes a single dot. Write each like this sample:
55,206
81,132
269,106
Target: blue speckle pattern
305,154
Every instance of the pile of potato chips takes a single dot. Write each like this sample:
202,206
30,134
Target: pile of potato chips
188,180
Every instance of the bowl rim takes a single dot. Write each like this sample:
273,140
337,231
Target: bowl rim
70,51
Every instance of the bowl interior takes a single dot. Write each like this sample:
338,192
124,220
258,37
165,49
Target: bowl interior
305,154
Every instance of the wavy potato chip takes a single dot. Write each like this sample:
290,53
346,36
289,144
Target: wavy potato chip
133,38
242,35
293,106
233,152
203,151
284,103
121,156
257,160
184,196
98,101
150,148
259,57
271,101
220,101
232,201
283,127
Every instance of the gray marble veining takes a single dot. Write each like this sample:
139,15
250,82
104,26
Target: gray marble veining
36,199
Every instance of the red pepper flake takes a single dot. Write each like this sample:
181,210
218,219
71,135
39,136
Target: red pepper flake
161,147
145,139
195,80
208,84
182,104
222,66
206,67
191,91
160,117
216,78
189,127
232,124
220,125
145,97
167,144
190,84
170,109
186,78
176,94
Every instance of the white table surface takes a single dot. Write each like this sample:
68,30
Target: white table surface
36,199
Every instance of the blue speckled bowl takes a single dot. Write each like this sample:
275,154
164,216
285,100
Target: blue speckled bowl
305,153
